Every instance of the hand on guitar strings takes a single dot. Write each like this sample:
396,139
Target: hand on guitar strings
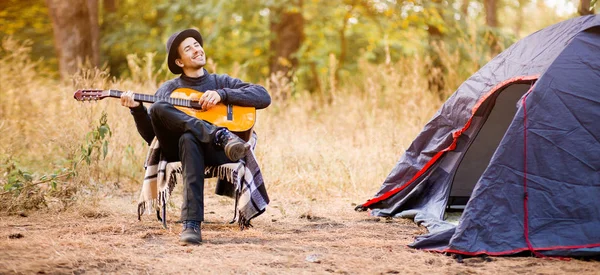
208,99
127,100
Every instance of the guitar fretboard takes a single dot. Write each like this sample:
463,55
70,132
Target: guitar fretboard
151,99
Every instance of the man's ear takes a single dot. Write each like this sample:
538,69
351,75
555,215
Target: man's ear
178,62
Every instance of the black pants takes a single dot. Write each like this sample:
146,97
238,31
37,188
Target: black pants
189,140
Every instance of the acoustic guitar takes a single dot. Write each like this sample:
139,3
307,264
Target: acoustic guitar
235,118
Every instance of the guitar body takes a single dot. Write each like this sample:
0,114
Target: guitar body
235,118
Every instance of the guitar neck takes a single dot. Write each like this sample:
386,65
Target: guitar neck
151,99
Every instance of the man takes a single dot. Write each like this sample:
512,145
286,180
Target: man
194,142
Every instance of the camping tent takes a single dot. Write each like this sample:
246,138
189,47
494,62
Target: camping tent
517,148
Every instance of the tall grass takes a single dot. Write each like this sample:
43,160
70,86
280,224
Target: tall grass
339,144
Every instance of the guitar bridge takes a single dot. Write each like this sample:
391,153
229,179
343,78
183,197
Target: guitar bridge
229,112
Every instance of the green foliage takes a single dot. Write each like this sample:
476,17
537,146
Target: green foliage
96,141
29,20
16,178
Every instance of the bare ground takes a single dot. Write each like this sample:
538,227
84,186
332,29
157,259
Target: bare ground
291,237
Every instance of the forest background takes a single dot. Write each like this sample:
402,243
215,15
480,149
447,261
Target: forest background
352,81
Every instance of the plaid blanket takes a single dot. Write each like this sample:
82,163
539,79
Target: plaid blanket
160,178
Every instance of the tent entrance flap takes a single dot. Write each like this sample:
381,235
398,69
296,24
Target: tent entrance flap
500,111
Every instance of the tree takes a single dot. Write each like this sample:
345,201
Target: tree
110,6
287,28
464,8
491,13
586,7
491,20
94,31
435,78
520,17
74,33
351,5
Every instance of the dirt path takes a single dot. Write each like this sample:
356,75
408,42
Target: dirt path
291,237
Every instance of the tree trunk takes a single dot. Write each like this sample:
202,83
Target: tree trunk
520,17
343,41
94,31
585,7
435,68
491,13
464,9
110,6
288,28
73,39
491,20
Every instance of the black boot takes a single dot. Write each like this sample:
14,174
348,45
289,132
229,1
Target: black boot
235,148
191,233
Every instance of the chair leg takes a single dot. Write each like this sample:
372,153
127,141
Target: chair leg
237,196
164,215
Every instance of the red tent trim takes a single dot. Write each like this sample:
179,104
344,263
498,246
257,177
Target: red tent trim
514,251
452,146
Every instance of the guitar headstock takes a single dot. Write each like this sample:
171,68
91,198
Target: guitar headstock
92,94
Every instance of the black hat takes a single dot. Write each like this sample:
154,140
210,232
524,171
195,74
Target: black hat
175,40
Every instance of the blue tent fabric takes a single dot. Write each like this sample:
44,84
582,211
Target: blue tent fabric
541,187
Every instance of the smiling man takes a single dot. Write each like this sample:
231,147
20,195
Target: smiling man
194,142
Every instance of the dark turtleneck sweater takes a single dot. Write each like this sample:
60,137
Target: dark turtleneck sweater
232,91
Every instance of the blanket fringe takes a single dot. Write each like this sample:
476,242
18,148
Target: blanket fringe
243,222
221,172
162,198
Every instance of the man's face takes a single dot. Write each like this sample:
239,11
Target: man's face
191,54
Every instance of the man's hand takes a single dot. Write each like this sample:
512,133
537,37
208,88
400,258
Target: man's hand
127,100
209,99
